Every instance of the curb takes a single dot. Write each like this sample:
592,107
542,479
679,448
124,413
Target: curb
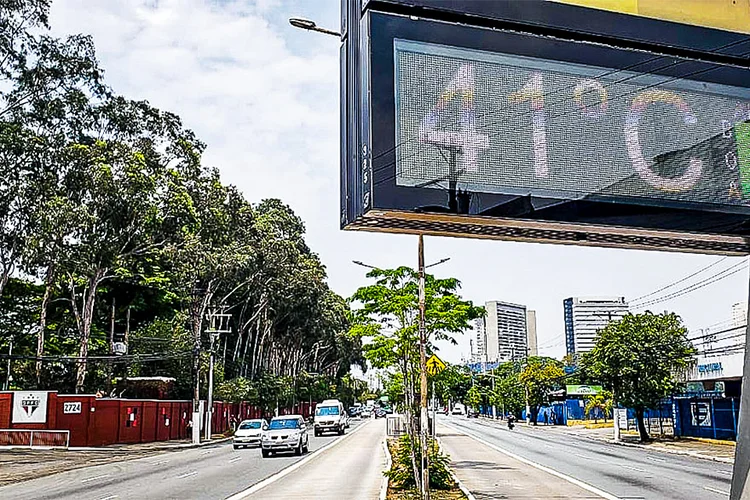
154,448
388,464
461,485
723,460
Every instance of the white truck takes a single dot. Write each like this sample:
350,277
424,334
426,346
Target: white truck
330,417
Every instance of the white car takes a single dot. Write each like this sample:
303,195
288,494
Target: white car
330,417
287,433
459,409
249,433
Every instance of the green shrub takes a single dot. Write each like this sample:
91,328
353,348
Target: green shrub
401,472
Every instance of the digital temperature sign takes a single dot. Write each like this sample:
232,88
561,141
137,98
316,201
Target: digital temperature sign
530,126
526,124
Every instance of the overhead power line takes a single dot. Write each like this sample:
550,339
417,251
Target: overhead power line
740,266
637,299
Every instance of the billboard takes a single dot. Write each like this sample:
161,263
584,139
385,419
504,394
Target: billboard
515,134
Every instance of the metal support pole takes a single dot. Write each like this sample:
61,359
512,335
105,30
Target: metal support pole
740,485
7,370
528,408
210,409
424,430
434,411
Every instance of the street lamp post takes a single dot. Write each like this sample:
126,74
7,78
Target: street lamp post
424,425
307,24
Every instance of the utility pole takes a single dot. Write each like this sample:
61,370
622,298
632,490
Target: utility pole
487,360
218,324
424,430
7,372
110,365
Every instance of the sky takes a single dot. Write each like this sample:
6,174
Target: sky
264,96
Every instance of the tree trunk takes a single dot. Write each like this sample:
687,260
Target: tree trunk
641,425
49,280
87,317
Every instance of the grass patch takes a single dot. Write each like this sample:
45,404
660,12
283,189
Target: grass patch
400,480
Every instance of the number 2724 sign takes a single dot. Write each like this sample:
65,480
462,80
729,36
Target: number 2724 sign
72,407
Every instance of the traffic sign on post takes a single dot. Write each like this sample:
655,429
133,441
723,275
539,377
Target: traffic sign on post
435,365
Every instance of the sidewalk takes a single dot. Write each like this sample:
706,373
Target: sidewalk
488,473
708,449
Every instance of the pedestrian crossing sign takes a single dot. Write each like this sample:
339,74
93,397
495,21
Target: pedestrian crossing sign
435,365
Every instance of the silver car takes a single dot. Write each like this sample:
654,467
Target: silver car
286,433
249,433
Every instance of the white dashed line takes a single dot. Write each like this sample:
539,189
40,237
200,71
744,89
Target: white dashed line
160,462
235,459
582,456
94,478
207,452
187,474
633,468
654,459
726,493
111,497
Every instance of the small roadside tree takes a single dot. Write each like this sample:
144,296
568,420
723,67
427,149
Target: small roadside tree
539,377
601,402
639,357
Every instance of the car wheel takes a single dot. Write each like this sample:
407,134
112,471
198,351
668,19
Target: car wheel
306,448
341,431
298,449
264,453
317,433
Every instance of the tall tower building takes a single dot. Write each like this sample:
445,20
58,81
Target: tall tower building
506,331
585,316
531,332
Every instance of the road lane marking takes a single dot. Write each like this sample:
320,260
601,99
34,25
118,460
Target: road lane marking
577,482
187,474
94,478
111,497
296,465
633,468
655,459
726,493
207,452
235,459
160,462
727,472
582,456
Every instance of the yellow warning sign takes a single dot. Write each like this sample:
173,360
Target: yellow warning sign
435,365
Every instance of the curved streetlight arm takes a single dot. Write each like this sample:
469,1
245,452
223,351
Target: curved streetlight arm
308,24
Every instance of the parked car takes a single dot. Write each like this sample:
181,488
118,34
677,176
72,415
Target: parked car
249,433
330,417
353,411
380,413
458,409
472,414
442,410
286,433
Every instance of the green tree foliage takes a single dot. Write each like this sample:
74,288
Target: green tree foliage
400,471
105,201
539,377
599,404
473,397
639,359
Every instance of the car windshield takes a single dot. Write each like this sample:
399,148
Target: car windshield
284,423
326,410
254,424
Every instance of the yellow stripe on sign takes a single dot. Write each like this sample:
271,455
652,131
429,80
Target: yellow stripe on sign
730,15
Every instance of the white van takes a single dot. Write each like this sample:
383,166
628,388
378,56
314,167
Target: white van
330,417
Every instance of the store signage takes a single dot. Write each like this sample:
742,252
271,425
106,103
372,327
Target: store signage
710,368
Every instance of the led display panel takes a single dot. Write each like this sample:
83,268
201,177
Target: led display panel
522,125
510,134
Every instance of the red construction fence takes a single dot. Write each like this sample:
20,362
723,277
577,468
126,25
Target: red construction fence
96,421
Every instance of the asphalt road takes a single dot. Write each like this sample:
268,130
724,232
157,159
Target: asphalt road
623,472
353,470
209,472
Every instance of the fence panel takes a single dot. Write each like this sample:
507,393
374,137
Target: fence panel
28,438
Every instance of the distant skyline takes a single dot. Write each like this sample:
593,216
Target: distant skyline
264,96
